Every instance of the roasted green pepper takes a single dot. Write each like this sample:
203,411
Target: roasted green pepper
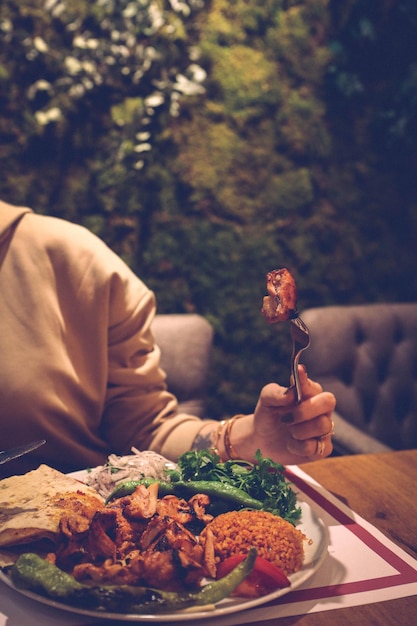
34,573
182,488
127,488
223,491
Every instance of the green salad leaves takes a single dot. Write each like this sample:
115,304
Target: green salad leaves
264,480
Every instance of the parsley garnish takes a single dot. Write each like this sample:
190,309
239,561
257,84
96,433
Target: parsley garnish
263,480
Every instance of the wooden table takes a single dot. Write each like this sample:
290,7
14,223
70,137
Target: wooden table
381,488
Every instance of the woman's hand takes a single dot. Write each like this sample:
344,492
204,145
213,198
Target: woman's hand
284,431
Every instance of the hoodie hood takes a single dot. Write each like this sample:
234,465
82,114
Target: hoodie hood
9,216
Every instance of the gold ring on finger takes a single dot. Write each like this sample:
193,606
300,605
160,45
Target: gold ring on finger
320,446
330,433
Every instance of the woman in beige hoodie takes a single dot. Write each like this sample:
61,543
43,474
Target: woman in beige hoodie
79,367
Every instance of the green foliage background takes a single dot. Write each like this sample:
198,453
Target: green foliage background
209,142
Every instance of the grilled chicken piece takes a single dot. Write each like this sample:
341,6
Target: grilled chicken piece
78,511
171,555
141,503
109,572
176,508
281,303
100,546
164,532
199,503
209,553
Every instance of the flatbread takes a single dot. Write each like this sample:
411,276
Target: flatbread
32,505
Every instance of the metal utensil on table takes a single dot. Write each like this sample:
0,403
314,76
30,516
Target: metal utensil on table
14,453
300,336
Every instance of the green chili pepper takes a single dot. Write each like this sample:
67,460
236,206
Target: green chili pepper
34,573
224,491
127,488
182,488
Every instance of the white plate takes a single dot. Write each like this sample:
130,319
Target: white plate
315,552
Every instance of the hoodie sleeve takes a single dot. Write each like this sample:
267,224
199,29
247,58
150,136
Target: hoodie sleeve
139,409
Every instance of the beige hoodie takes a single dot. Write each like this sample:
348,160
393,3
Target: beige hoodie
78,364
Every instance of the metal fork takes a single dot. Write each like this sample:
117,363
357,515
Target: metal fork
300,336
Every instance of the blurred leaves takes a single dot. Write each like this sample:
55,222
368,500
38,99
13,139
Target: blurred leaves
209,142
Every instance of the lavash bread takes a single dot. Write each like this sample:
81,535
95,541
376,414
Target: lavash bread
32,505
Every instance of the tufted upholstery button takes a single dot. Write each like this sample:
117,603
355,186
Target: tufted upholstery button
398,333
367,356
359,336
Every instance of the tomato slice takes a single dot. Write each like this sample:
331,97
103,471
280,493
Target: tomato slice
264,578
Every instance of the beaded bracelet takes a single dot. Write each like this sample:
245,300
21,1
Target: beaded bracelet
231,452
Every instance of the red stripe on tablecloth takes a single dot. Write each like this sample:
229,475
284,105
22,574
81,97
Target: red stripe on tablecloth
405,572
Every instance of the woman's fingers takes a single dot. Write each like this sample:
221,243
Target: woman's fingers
315,447
320,426
312,438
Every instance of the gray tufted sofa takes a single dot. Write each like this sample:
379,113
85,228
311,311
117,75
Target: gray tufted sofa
367,356
186,342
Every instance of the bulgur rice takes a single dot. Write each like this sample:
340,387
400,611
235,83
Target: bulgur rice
276,540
